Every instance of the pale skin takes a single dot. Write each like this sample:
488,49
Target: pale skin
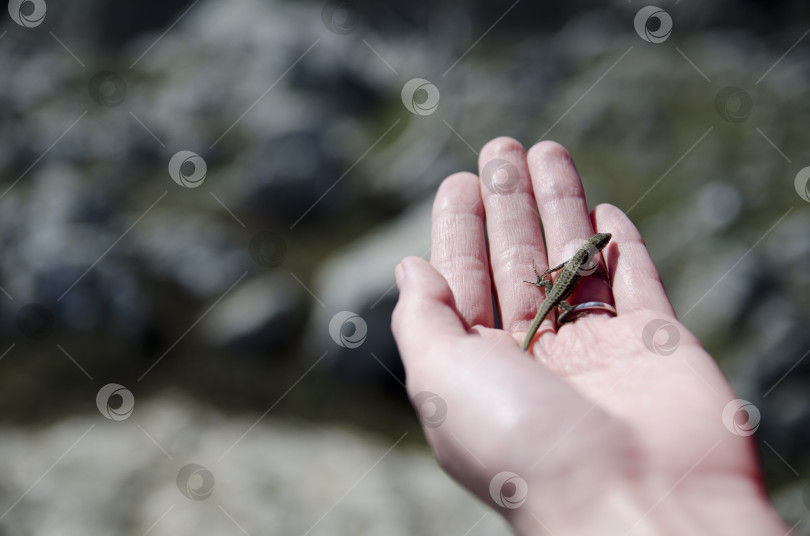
610,437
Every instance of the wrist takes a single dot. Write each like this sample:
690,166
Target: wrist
731,507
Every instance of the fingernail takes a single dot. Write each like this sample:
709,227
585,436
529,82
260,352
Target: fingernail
400,275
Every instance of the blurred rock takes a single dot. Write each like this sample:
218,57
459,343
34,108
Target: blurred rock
125,477
360,279
287,174
193,250
53,236
260,315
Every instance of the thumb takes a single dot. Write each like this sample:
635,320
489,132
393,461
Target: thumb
426,312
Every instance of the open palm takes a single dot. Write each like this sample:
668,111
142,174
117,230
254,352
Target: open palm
608,425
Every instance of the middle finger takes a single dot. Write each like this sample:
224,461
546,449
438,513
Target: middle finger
513,230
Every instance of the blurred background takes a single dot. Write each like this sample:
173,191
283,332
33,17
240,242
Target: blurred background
202,202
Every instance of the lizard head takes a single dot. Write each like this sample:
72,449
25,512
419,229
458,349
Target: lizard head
600,240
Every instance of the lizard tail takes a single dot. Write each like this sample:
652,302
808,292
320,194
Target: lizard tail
542,313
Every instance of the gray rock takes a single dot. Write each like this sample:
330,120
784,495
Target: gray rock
360,279
127,477
198,253
261,314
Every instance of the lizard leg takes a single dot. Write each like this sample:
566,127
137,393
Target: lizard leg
546,284
567,308
552,270
603,275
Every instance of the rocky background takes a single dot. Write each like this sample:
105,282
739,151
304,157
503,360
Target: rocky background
238,296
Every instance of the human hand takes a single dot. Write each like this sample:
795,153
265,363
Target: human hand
604,435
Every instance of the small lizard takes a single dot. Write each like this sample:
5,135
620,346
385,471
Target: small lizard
582,263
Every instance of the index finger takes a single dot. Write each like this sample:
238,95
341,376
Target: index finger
458,247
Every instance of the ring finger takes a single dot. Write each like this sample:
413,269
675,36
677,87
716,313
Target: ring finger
566,220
